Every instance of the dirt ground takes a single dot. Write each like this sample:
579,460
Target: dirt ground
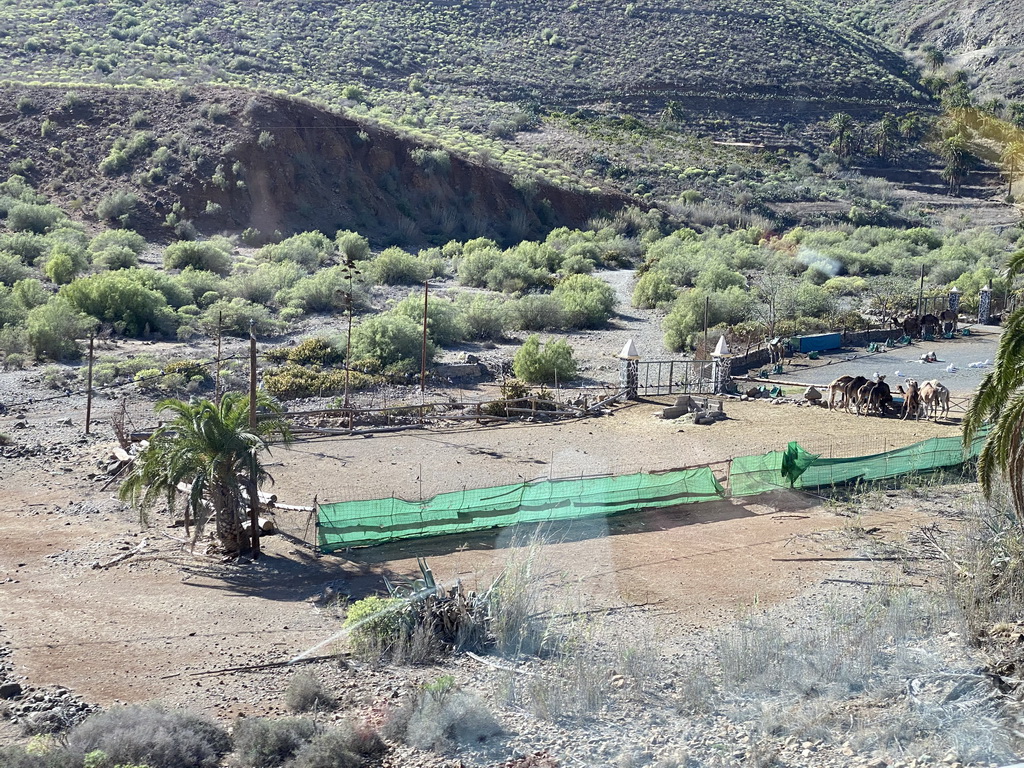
142,628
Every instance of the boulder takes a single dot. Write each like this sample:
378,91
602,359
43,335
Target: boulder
812,394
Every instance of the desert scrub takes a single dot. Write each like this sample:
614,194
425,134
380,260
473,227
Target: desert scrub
394,342
312,351
345,746
153,735
440,716
305,693
207,255
263,742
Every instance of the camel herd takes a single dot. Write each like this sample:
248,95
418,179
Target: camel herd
928,325
874,396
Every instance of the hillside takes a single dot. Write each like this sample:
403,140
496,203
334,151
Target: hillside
561,52
216,158
984,37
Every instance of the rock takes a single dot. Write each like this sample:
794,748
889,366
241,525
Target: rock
64,423
812,394
20,425
10,690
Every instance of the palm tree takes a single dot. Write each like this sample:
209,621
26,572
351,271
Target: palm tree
842,125
956,151
1000,402
210,447
934,57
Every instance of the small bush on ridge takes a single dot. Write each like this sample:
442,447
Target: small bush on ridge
537,365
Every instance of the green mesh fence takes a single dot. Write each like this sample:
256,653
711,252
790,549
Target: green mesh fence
926,456
354,523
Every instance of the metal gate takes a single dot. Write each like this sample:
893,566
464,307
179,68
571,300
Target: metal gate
670,377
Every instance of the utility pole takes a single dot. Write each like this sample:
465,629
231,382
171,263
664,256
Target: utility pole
423,357
88,387
920,293
707,304
254,495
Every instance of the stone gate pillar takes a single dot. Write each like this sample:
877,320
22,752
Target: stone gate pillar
629,371
954,299
984,305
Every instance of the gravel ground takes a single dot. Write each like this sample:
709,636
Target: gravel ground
905,362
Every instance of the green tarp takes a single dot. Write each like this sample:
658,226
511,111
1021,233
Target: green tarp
357,523
354,523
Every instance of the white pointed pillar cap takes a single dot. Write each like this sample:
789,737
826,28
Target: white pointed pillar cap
721,348
629,352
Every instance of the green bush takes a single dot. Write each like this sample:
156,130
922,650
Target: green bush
29,247
653,290
11,310
263,742
195,285
375,625
262,284
393,266
122,299
326,291
235,315
60,268
394,342
121,238
118,206
32,217
482,316
290,381
11,268
588,302
312,351
352,245
308,249
152,735
537,312
115,257
54,328
554,362
513,271
30,293
207,255
444,323
686,319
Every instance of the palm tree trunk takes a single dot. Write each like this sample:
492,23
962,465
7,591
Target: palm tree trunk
226,512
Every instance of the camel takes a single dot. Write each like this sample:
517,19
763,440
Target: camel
912,400
912,326
846,387
929,324
949,320
776,350
935,398
874,396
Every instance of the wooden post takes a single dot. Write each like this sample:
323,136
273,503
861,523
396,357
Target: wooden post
88,387
216,380
252,376
423,357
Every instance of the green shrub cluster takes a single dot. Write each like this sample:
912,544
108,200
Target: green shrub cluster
291,381
207,255
551,363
